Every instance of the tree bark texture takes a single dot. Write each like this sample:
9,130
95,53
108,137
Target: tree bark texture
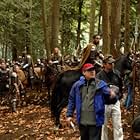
44,27
127,25
116,7
92,20
80,4
106,26
55,23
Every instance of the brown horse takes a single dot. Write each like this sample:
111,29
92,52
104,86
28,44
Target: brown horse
24,77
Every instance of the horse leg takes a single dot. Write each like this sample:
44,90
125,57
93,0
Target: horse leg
14,97
23,96
49,95
31,82
22,89
40,85
60,107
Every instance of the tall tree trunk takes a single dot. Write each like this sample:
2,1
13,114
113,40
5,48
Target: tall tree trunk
116,6
55,23
3,50
138,15
80,4
62,34
27,32
138,10
99,19
127,25
65,33
6,47
14,53
31,47
92,20
78,46
49,25
106,25
44,27
28,41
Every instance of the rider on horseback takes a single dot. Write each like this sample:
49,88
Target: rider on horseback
56,59
27,65
39,63
90,53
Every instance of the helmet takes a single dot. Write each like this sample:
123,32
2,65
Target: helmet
38,61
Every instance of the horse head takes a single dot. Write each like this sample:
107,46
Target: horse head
123,63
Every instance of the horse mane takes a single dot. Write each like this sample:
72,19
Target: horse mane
120,63
118,58
62,88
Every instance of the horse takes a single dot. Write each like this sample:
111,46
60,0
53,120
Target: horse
24,79
50,76
64,82
123,63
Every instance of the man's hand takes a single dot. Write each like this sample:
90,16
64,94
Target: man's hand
70,123
69,119
112,94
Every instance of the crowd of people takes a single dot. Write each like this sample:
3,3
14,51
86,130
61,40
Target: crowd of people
97,95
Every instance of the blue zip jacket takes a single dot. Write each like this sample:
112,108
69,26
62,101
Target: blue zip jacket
102,93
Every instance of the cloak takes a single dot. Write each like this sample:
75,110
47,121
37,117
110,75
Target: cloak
85,55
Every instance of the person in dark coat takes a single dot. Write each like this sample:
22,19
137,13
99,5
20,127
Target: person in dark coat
113,79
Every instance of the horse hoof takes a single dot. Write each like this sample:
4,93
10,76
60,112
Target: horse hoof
59,126
56,128
23,103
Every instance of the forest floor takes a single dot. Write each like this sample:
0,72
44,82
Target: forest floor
34,122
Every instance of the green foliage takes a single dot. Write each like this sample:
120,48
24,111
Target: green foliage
18,26
21,24
69,19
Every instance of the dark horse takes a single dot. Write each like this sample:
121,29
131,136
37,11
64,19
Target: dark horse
50,76
65,81
123,63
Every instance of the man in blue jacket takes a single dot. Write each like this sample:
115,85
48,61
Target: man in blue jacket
88,96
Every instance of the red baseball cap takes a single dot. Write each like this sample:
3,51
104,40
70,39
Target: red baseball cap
87,66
